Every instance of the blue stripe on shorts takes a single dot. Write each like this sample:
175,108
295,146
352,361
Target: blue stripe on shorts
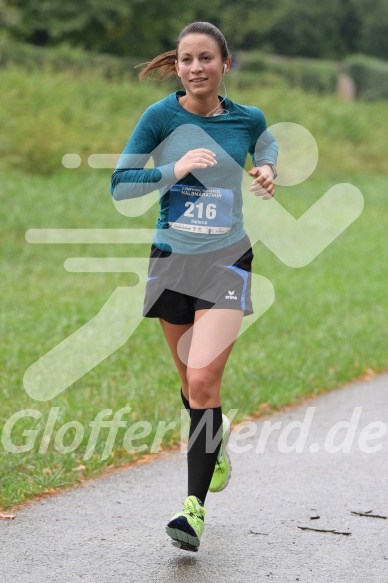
244,274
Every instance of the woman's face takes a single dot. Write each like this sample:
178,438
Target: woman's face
199,64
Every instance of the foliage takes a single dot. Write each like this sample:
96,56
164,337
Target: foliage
373,30
249,67
315,29
130,27
309,74
64,57
370,76
47,115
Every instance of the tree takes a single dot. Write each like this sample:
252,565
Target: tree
373,27
144,28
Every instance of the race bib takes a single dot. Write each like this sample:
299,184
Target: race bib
200,210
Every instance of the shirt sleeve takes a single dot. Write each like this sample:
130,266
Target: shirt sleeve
130,179
264,148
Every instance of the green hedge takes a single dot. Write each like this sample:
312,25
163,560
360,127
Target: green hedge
250,68
311,75
64,57
370,76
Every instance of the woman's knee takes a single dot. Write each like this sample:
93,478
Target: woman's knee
204,387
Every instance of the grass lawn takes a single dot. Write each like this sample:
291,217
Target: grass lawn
326,327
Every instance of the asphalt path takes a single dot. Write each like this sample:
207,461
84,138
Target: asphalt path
256,530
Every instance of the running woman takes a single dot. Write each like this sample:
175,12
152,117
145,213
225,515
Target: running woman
199,270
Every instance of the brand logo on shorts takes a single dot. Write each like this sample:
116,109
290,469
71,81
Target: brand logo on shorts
230,295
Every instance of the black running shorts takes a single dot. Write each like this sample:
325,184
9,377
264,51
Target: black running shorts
179,284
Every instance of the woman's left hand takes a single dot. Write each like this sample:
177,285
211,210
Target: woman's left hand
263,184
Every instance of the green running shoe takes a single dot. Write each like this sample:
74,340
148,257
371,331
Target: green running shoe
223,467
186,527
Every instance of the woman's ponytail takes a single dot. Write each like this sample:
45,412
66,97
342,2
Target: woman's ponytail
165,63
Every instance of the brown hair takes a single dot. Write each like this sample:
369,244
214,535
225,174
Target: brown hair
165,62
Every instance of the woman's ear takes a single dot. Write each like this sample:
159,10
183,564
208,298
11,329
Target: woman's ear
176,68
227,65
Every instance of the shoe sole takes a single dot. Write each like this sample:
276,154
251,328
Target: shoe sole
184,546
226,455
182,540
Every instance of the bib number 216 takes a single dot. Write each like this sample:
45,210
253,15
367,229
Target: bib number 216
208,211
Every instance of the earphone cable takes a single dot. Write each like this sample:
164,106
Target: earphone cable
225,111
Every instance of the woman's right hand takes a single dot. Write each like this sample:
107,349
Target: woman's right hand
200,158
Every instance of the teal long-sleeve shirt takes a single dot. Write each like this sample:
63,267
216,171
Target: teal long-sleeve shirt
166,131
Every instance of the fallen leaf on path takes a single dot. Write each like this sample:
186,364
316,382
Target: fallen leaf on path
6,516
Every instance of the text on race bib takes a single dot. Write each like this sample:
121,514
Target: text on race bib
200,210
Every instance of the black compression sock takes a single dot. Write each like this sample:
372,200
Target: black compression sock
185,403
205,435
